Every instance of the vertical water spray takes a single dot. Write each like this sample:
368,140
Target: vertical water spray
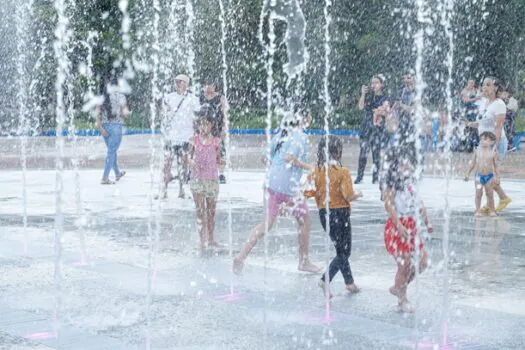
270,52
153,233
23,11
60,46
227,140
327,113
419,43
188,38
448,10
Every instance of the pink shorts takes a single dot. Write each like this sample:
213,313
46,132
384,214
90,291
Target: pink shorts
279,201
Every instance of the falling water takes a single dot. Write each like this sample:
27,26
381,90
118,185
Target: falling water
327,113
227,140
419,42
60,45
446,20
86,70
22,13
153,233
72,132
270,52
188,38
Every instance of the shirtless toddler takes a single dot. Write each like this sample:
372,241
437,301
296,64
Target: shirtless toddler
487,173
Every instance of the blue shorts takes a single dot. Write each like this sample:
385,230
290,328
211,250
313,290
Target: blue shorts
484,179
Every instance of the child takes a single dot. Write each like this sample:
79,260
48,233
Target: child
204,185
340,195
487,173
289,151
401,234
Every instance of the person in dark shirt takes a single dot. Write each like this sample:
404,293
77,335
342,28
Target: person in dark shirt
405,106
376,106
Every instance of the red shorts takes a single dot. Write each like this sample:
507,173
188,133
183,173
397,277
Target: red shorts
395,244
277,201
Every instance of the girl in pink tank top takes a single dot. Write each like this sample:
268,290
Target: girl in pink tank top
205,179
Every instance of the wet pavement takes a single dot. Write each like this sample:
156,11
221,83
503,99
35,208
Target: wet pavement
118,244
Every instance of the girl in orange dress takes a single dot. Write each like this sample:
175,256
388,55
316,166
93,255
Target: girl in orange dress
401,230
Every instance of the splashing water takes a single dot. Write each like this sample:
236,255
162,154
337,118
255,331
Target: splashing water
327,113
62,36
22,13
155,187
446,20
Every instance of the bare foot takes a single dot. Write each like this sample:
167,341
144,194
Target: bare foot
215,244
478,214
405,307
353,288
307,266
394,291
321,285
492,213
164,196
238,266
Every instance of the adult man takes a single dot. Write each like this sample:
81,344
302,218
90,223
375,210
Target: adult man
406,128
218,103
177,129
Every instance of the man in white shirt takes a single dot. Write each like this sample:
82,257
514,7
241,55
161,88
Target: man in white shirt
177,129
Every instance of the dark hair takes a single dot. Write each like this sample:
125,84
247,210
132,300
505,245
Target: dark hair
497,83
106,105
210,81
288,123
489,134
335,150
395,157
205,111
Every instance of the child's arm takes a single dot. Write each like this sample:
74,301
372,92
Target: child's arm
391,211
347,189
191,151
424,215
296,162
472,166
311,186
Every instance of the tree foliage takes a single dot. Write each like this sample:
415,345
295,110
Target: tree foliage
366,38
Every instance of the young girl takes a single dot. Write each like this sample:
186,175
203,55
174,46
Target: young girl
487,173
401,232
204,185
282,192
340,195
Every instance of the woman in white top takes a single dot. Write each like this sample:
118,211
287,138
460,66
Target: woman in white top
492,118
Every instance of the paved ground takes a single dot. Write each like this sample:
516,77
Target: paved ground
99,299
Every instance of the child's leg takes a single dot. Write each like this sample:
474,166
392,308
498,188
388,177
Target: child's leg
404,268
211,204
200,204
479,194
168,162
270,215
182,160
423,263
489,190
304,226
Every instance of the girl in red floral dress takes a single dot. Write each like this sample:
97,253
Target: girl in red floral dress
401,230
